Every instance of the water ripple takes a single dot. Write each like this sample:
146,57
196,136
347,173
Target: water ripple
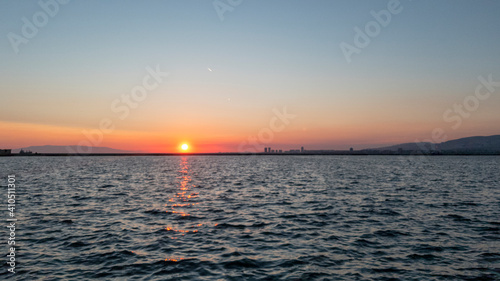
257,218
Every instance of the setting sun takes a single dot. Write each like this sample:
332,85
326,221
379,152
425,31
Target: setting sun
184,147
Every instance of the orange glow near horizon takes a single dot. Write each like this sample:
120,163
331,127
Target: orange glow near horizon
213,139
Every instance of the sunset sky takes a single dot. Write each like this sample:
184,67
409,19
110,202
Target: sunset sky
70,78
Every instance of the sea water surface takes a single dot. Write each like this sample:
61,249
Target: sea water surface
255,218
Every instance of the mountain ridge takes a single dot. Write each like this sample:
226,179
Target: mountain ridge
71,149
468,144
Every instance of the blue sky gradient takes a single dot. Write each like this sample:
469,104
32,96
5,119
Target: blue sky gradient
264,54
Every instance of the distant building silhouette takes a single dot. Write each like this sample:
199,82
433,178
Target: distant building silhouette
265,149
302,149
5,151
351,149
280,151
27,152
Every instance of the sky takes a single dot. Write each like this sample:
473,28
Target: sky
241,75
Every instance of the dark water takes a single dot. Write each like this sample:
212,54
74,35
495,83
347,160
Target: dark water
256,218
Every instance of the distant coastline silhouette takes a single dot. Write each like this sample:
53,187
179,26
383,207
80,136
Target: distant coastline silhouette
477,145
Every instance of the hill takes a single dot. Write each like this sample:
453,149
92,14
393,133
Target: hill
469,145
70,149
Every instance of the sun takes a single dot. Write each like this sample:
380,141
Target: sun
184,147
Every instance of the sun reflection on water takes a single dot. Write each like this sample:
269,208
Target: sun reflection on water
180,204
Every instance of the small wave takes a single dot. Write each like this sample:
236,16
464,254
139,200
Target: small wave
389,233
388,270
427,248
242,263
456,217
366,243
228,225
422,257
77,244
488,229
490,257
154,211
291,263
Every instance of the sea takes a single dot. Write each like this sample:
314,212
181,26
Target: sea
278,217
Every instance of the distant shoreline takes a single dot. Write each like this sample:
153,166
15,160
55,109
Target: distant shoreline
475,145
252,154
